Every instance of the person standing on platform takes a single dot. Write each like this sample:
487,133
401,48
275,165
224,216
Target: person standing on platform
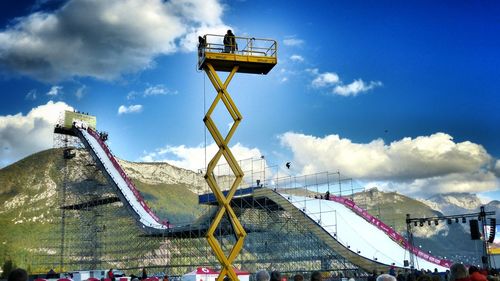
230,45
202,44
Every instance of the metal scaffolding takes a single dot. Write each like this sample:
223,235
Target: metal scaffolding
96,230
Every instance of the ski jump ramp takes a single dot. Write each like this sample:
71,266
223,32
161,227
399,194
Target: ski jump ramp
362,239
128,193
349,230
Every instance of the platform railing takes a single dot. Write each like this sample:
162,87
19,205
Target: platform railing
245,46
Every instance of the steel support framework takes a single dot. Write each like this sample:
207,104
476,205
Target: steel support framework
100,233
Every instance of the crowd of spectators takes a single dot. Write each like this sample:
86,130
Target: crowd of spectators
457,272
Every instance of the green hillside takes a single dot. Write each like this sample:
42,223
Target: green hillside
27,190
30,214
30,193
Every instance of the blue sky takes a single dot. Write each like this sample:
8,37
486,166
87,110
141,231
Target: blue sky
401,95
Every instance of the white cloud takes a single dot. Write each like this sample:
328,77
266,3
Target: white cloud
80,92
325,79
193,158
131,95
332,80
293,42
429,164
22,135
104,39
297,58
136,108
497,168
476,181
158,90
356,87
31,95
54,91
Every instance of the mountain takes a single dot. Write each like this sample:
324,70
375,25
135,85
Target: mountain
451,241
460,203
29,207
29,202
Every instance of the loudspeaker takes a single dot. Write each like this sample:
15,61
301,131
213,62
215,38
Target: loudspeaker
474,230
406,263
493,226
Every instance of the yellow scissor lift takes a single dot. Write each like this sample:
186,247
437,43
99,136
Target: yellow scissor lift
248,55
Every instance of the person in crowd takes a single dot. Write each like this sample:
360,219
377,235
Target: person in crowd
436,277
327,195
373,276
111,275
262,275
424,277
475,274
386,277
298,277
18,274
51,274
400,276
144,274
275,276
458,272
316,276
447,275
392,270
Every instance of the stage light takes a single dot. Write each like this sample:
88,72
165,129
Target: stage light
464,220
448,221
456,220
436,222
421,223
428,222
415,223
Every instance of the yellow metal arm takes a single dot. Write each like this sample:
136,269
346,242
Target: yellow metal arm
224,201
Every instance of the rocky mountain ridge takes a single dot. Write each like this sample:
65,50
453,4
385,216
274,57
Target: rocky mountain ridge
28,196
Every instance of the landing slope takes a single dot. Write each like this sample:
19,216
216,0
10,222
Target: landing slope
369,244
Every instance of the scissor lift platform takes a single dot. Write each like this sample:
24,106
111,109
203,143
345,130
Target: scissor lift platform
258,56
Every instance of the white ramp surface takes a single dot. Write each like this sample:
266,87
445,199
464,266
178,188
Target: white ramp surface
356,233
134,199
